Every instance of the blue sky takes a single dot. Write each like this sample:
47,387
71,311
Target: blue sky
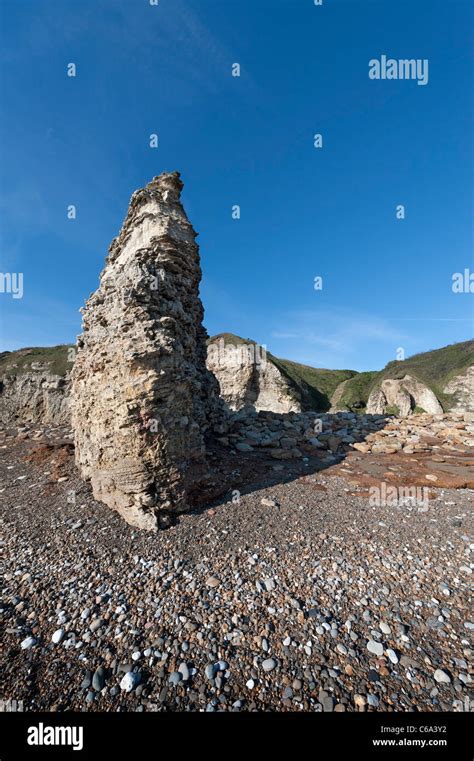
247,140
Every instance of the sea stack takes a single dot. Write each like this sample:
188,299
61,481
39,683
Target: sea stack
142,398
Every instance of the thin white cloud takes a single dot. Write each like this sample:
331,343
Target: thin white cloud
337,328
334,337
276,334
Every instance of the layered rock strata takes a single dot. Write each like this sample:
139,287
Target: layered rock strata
142,398
33,397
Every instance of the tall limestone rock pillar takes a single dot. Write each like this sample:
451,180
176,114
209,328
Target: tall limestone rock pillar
142,398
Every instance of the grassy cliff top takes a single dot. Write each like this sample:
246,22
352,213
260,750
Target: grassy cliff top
230,338
19,362
434,368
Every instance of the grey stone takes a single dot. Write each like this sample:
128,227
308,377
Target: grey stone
98,680
96,624
442,676
28,643
375,647
269,664
393,657
243,447
210,671
130,681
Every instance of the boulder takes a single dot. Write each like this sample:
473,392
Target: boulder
402,396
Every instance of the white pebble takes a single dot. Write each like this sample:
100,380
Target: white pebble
442,677
374,647
393,657
129,681
28,642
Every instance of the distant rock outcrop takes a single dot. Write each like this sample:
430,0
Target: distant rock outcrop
248,378
142,398
34,386
402,397
462,389
251,377
36,396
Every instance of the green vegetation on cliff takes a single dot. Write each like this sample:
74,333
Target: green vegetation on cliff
434,368
315,385
54,358
356,391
